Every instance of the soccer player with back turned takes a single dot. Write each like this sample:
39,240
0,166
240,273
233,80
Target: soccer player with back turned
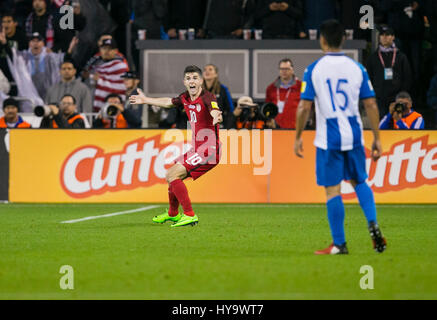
204,116
336,83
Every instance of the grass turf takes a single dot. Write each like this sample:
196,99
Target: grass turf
235,252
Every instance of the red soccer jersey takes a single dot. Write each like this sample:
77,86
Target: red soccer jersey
198,111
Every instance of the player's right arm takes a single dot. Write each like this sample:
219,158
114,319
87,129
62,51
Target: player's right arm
141,98
373,116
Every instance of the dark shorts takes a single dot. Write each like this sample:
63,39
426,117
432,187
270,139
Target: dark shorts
334,166
197,164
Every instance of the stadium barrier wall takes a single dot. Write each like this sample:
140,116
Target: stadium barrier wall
115,166
4,164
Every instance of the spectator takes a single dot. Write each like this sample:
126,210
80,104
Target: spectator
70,85
227,19
317,11
388,69
212,84
285,93
401,115
11,36
41,21
121,118
148,15
63,37
131,81
280,19
432,98
11,119
97,59
42,65
65,117
247,116
184,14
108,73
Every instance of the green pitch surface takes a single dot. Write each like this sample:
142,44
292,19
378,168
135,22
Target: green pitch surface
235,252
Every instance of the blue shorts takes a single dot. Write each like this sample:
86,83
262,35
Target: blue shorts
333,166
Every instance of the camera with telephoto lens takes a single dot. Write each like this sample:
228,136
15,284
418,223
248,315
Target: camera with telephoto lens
109,110
400,107
269,111
43,111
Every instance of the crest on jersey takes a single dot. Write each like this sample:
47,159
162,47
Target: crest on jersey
214,105
304,85
198,106
192,106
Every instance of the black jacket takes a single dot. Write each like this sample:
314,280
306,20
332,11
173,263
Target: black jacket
47,122
18,40
280,24
149,15
224,17
184,14
386,90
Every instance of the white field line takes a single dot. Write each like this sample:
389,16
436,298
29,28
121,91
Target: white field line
111,214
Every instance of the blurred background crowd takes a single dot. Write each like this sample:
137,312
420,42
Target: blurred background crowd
92,63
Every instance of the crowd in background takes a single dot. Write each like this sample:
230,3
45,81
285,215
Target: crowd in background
41,60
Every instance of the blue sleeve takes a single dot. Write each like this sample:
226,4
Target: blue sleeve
418,124
229,98
366,90
307,89
402,125
385,122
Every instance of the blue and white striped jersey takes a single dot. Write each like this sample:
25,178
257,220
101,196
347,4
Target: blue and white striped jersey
336,83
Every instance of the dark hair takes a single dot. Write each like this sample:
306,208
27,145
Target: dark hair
69,95
333,32
284,60
68,61
403,95
113,95
192,69
216,85
10,102
9,14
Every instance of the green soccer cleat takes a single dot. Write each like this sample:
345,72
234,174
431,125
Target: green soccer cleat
185,221
165,217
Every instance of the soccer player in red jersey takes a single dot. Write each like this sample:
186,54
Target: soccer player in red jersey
204,116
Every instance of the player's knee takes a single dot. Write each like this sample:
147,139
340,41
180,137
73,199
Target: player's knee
332,191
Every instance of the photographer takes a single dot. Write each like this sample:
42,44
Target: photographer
401,116
115,115
11,119
65,117
249,116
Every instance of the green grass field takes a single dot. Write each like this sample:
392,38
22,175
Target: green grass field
235,252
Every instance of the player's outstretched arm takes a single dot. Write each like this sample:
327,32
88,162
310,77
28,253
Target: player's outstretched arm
373,116
302,115
141,98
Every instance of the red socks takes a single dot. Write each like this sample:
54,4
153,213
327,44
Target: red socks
179,190
174,203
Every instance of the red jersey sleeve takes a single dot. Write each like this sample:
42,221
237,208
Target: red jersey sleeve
210,101
177,101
